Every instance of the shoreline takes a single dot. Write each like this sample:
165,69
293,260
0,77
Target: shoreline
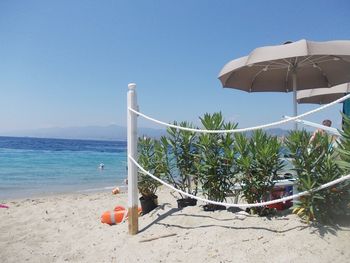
40,194
62,138
46,229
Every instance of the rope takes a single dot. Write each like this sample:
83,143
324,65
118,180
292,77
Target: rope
284,199
242,129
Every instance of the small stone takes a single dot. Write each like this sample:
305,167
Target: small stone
244,213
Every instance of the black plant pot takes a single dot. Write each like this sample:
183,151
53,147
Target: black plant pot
212,207
148,203
181,203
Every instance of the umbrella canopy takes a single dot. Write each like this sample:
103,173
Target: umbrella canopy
290,67
323,96
315,64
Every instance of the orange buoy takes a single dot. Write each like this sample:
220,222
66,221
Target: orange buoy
117,216
122,208
114,217
119,208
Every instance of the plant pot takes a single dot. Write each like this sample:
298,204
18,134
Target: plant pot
181,203
211,207
148,203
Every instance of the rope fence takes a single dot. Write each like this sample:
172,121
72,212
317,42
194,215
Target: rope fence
284,199
133,113
242,129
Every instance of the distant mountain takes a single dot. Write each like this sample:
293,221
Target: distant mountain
111,132
277,132
274,131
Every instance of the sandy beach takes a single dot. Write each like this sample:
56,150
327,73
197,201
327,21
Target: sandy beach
67,228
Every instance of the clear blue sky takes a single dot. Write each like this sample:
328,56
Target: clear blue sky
68,63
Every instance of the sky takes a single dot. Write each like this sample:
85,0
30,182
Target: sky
68,63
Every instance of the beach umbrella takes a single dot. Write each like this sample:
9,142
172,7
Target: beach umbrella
323,96
290,67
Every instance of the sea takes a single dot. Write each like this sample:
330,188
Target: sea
35,167
31,167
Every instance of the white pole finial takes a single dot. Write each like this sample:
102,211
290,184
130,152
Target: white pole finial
132,86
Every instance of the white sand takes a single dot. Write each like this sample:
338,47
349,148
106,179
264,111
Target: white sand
67,228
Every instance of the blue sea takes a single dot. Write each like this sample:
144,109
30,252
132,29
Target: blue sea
33,167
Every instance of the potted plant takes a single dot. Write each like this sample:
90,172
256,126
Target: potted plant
258,162
343,150
181,155
216,167
316,163
150,158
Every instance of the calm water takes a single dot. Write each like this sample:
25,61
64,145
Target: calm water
31,166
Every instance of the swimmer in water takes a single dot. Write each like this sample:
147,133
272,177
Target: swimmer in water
102,166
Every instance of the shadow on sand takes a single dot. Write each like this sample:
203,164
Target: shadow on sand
316,228
160,217
172,212
340,223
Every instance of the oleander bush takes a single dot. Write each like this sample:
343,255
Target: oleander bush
150,157
315,162
216,164
181,156
344,163
344,145
258,162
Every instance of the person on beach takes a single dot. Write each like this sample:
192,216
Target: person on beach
116,191
327,123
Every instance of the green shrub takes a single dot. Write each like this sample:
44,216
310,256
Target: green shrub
315,164
343,189
258,161
331,202
150,157
181,154
344,145
216,153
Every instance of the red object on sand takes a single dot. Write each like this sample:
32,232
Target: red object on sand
119,208
118,215
277,193
4,206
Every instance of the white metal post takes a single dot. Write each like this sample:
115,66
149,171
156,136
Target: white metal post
295,191
294,80
132,169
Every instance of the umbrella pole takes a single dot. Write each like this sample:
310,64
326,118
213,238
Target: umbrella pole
295,109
